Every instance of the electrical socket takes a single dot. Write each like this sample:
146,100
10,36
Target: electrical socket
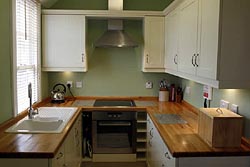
149,85
224,104
234,108
70,82
188,90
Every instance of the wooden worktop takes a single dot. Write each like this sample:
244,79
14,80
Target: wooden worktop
181,139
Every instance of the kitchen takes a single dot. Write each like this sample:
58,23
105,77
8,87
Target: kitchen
121,72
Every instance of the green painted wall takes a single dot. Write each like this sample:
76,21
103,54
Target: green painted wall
241,97
5,61
112,72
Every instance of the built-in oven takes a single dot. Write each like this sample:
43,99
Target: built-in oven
114,132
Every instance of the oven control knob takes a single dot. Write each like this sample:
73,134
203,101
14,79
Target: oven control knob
110,116
118,116
114,116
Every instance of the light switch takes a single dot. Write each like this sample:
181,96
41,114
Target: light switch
79,84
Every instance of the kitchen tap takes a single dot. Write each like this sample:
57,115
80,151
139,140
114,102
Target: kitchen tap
31,111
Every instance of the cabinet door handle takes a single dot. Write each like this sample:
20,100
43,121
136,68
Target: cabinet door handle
60,155
151,132
175,62
193,58
147,58
196,58
82,57
150,143
167,155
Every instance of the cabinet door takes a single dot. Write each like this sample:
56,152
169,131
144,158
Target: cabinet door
154,44
149,142
171,40
69,150
63,43
168,159
78,139
188,36
58,161
157,147
209,39
73,146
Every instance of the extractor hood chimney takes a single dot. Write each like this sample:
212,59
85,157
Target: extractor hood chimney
115,36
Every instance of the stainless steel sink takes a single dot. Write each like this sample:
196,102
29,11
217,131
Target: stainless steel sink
49,120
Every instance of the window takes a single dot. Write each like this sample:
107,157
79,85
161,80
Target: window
26,52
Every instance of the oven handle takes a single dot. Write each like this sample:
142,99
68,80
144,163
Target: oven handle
114,123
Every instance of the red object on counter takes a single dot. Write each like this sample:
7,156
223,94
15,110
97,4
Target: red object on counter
172,93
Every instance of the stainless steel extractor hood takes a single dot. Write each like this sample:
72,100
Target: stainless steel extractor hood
115,36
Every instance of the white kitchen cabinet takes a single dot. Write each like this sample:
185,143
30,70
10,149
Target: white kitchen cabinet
70,152
212,41
157,151
188,36
149,142
171,41
63,43
72,146
153,58
168,159
58,161
198,42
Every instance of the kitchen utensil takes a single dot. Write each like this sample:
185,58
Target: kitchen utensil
58,93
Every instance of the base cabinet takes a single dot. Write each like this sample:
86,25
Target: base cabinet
158,154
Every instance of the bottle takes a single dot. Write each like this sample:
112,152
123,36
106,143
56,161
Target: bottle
172,93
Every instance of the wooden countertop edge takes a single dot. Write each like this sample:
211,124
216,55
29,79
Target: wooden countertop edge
46,154
218,152
69,102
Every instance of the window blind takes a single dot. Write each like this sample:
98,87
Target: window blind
27,51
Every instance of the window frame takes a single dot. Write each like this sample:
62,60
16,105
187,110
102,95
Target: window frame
14,59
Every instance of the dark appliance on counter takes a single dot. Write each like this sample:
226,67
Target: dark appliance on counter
87,134
114,132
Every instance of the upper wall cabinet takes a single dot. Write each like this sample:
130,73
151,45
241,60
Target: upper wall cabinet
212,42
153,58
63,43
171,41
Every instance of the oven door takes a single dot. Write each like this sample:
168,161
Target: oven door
114,136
